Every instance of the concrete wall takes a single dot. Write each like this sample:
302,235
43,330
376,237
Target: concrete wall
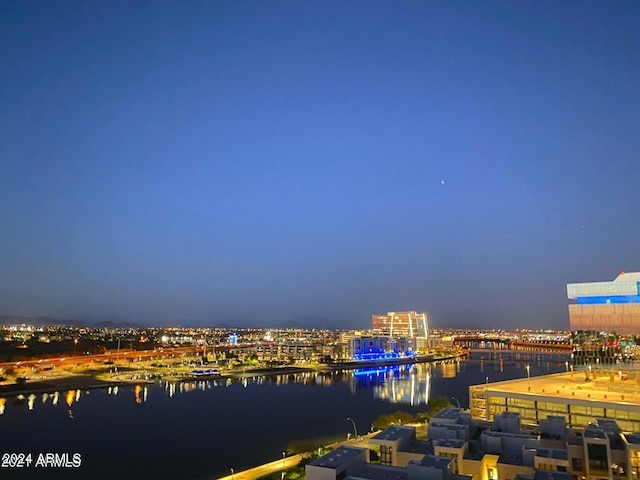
403,458
508,472
313,472
622,318
478,469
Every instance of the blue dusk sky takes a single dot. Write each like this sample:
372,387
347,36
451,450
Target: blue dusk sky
255,162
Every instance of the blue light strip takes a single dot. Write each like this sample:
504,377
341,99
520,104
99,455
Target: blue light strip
382,356
375,371
612,299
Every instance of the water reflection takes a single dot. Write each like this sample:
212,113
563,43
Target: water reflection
406,384
70,397
448,369
410,384
136,392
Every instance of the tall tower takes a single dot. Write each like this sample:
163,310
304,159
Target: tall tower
606,306
401,324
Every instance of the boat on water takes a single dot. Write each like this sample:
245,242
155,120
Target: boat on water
205,372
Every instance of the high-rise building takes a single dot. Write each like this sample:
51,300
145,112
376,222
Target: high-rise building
606,306
578,396
401,324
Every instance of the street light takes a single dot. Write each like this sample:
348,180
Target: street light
231,473
529,376
284,454
355,430
457,402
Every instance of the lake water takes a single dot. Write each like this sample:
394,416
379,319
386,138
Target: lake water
202,429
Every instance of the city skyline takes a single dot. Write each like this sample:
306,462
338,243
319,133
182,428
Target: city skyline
259,163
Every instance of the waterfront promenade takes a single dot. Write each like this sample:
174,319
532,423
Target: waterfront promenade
62,378
267,469
215,425
288,462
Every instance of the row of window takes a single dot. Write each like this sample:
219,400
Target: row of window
576,415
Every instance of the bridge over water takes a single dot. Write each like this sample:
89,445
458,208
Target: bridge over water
508,343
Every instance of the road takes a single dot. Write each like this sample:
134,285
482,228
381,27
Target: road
158,353
266,469
288,462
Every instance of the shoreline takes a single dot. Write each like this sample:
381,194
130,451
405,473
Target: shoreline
91,382
69,382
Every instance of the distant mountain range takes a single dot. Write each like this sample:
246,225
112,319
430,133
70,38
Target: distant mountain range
300,323
42,321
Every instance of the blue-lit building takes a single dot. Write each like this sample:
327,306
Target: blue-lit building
379,347
606,306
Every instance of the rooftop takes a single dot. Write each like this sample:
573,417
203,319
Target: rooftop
337,457
394,433
594,432
449,443
449,413
433,461
624,284
552,453
551,475
511,459
583,387
449,426
381,472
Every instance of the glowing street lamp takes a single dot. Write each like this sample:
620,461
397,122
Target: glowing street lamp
529,376
231,473
457,402
355,430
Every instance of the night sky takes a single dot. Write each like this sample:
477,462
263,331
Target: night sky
260,162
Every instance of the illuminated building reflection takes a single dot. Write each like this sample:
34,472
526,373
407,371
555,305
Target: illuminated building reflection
410,384
448,369
70,397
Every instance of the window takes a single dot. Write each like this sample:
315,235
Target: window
635,463
597,457
386,455
454,457
577,465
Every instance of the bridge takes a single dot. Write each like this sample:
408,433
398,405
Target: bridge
511,343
